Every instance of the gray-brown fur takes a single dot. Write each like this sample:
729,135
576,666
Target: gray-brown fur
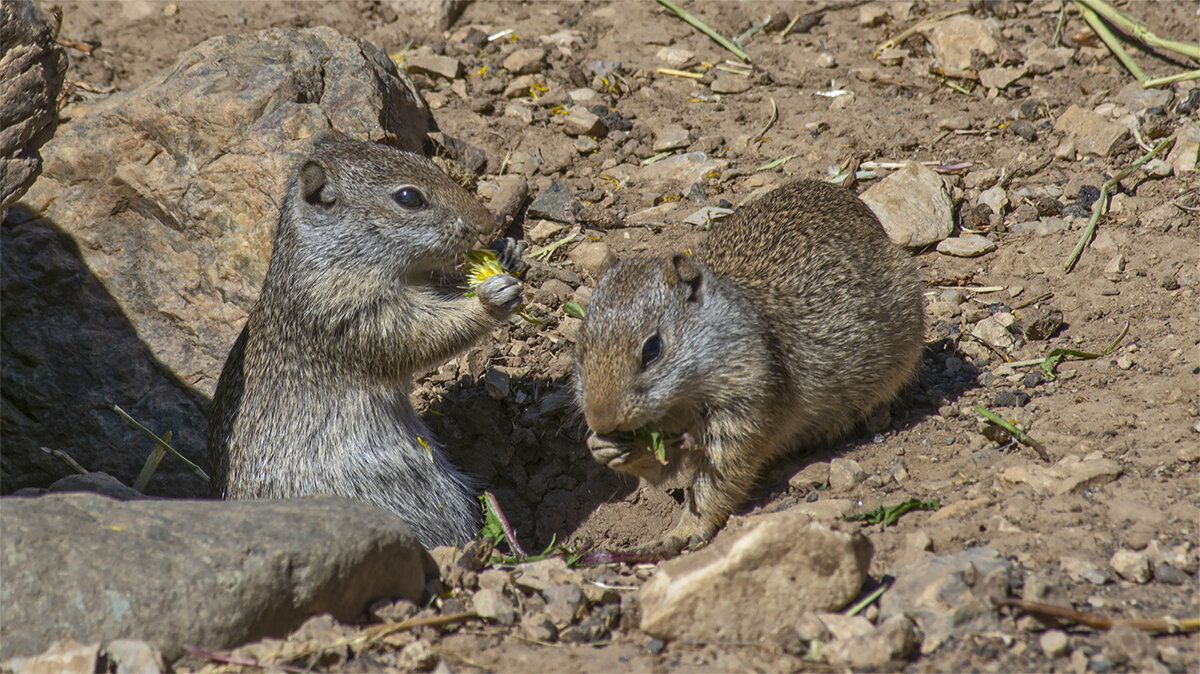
314,395
794,321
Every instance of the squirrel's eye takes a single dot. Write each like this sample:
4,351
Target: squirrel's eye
651,350
409,197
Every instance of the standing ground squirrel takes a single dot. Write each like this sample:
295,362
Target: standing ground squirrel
314,396
795,320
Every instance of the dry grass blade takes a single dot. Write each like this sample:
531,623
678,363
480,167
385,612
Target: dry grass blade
1158,626
1101,206
703,28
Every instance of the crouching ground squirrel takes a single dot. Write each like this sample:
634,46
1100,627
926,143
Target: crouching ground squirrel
795,320
313,398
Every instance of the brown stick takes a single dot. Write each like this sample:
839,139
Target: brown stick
1158,626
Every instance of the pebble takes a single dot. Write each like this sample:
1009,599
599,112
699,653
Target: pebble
705,216
492,604
434,65
1130,565
1091,133
1183,155
586,145
994,330
812,476
671,137
520,112
539,627
1124,362
582,95
1169,575
1025,130
895,639
1065,150
1115,265
995,198
674,56
845,474
556,202
1010,398
968,245
1082,569
1054,643
953,39
1000,78
525,61
1159,168
1133,96
1039,323
564,603
728,83
580,122
593,258
912,205
825,60
872,15
1189,104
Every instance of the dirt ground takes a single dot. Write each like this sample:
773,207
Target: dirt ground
1138,406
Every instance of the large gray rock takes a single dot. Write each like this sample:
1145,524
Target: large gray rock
169,192
210,573
949,595
32,68
745,586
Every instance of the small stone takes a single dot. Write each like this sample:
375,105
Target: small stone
1040,59
912,205
1124,362
995,198
729,83
1169,575
564,603
1091,133
955,122
1159,168
704,217
539,627
656,646
493,605
520,112
418,656
843,626
872,15
993,331
497,383
1065,150
1189,104
1127,645
969,245
812,476
433,65
1054,643
1010,398
1025,130
586,145
892,56
1000,78
898,472
593,258
953,39
582,95
1183,155
1134,97
543,230
825,60
525,61
557,202
674,56
671,137
895,639
1082,569
845,474
580,122
1130,565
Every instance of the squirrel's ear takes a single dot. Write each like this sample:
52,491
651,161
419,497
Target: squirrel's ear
682,269
315,185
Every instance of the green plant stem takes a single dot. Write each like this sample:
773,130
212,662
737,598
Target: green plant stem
703,28
151,465
196,470
1017,433
1101,206
1137,30
1115,45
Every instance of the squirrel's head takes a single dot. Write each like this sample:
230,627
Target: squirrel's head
637,349
377,210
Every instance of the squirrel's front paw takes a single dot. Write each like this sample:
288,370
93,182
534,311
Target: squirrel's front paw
500,294
625,454
509,252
